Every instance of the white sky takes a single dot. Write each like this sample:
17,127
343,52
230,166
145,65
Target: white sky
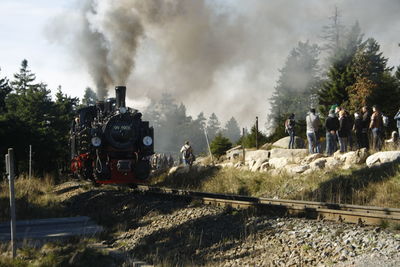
23,22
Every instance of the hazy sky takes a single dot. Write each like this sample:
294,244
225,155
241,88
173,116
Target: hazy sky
239,60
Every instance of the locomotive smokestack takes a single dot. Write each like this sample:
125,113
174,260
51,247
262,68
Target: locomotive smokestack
120,93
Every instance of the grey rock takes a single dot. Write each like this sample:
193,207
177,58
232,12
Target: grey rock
318,164
284,142
291,154
380,158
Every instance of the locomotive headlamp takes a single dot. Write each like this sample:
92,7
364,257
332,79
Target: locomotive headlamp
147,141
96,141
122,110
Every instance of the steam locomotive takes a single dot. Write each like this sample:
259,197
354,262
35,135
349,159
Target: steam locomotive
110,144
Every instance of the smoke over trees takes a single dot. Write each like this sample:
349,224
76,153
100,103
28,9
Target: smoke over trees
359,76
90,97
355,74
298,84
172,126
203,51
232,130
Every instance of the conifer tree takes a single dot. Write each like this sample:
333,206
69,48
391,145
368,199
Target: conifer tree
5,89
232,130
339,75
220,145
368,69
213,126
333,34
23,80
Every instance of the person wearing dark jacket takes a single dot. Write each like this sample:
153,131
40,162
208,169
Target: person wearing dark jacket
365,126
344,130
332,126
357,128
290,124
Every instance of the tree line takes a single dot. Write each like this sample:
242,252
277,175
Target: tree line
29,116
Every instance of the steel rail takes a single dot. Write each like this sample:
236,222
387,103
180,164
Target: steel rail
366,215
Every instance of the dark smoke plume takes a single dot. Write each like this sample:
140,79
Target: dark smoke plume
215,56
105,35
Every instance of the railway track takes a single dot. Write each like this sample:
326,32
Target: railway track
365,215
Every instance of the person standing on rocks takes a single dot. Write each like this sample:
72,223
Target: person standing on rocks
290,124
331,126
313,123
344,130
376,126
187,154
358,128
366,119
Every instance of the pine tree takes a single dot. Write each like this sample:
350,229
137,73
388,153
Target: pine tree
24,79
232,130
201,121
368,68
220,145
197,137
5,89
213,126
339,76
333,34
62,115
249,140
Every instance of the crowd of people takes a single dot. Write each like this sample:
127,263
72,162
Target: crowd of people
341,129
161,161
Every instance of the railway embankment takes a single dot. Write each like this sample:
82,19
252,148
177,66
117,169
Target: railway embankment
166,231
356,177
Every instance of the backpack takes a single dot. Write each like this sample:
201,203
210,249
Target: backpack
289,124
385,120
188,152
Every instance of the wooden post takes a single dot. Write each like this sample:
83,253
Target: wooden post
10,169
244,150
30,161
256,132
208,144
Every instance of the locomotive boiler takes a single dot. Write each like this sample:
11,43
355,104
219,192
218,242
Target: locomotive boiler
110,143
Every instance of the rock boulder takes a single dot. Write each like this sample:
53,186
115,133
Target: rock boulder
311,158
278,163
284,142
332,163
258,164
291,154
354,157
257,154
383,157
318,164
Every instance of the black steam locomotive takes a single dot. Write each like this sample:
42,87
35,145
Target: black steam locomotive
110,144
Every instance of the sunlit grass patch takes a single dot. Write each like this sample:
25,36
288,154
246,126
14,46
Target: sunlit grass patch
359,186
34,198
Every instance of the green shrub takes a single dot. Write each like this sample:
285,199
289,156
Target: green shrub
220,145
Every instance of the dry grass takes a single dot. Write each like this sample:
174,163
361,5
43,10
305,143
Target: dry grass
34,198
74,253
360,186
